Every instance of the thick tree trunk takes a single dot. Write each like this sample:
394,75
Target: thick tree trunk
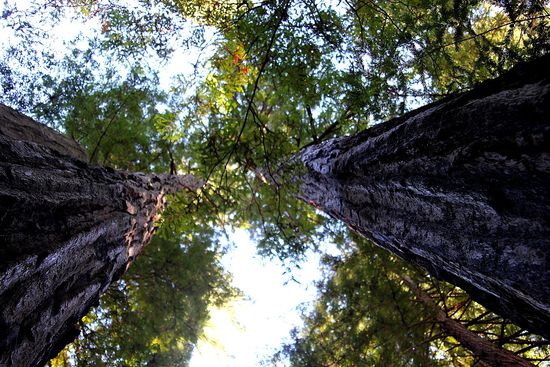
67,231
460,187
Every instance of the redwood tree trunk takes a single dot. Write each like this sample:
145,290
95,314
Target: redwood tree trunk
460,187
67,231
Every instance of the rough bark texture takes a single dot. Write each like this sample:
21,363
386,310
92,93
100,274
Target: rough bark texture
460,187
481,348
67,231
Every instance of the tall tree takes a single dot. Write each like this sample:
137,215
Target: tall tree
460,187
68,230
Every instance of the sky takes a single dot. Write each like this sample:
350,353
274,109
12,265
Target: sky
250,329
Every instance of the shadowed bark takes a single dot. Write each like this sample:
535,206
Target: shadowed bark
67,231
460,187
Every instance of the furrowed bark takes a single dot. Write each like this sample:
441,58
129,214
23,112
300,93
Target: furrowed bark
460,187
481,348
67,231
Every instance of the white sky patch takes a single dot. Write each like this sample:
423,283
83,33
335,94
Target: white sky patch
249,330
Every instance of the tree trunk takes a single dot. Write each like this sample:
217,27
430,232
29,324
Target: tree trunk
67,231
460,187
481,348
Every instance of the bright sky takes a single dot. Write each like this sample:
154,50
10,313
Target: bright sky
248,330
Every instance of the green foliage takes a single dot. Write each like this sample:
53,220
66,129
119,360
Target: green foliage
363,317
115,122
209,12
155,315
366,316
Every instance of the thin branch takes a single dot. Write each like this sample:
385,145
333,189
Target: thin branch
227,156
92,156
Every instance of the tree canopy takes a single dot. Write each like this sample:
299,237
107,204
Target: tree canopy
367,314
270,78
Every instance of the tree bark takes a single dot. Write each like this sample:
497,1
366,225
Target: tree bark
481,348
67,231
460,187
